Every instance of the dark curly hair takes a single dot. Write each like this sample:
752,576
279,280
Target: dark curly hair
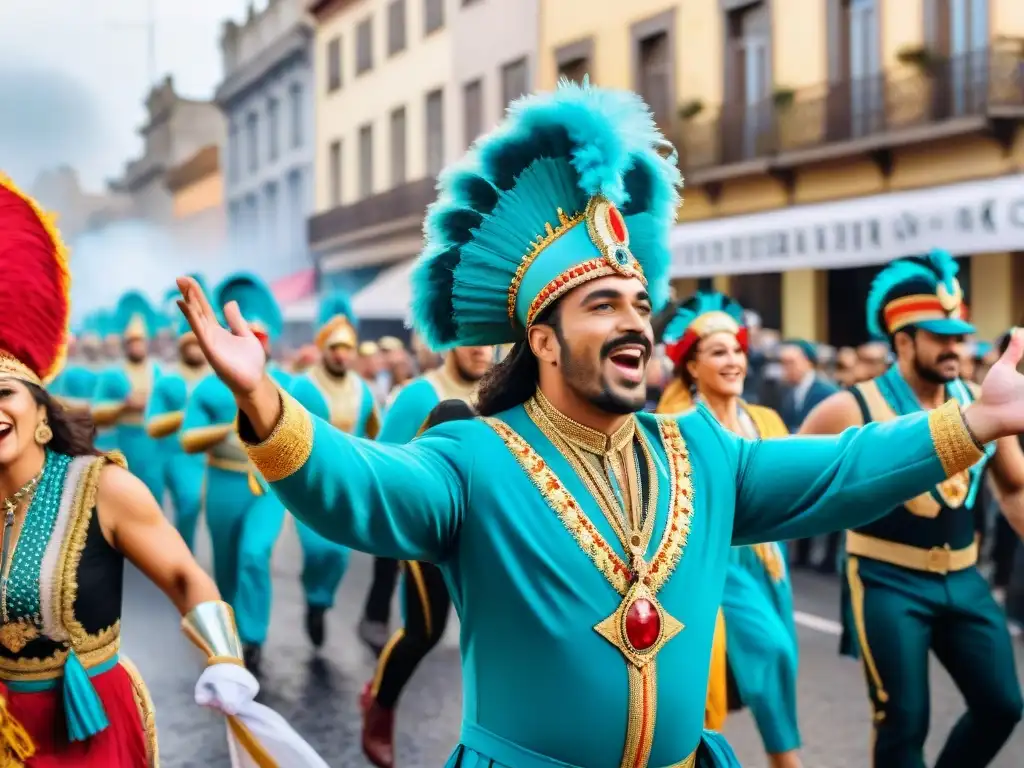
74,432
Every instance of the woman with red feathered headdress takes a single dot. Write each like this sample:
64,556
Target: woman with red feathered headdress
71,516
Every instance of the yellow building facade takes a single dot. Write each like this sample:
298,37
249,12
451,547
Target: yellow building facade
197,188
821,138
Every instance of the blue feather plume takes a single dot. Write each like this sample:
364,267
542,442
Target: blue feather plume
255,300
336,303
135,304
904,277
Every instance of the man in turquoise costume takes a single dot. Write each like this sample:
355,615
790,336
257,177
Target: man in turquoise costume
912,582
76,384
243,519
123,391
335,393
407,412
585,543
183,472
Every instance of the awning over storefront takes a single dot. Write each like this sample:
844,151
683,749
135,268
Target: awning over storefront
387,296
965,219
296,294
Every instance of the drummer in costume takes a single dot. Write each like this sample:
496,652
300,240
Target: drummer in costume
72,518
183,472
913,584
334,392
406,413
123,391
755,640
243,519
586,545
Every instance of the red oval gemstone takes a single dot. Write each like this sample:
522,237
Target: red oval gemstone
643,624
617,224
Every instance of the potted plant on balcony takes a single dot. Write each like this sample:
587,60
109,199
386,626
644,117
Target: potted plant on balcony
691,109
786,124
920,57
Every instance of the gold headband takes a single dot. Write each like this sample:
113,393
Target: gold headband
714,322
136,329
14,368
337,331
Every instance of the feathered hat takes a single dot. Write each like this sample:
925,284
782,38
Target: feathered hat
176,318
919,291
572,187
135,317
255,300
337,322
699,316
35,289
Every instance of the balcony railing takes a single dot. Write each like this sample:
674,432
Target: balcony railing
409,199
987,83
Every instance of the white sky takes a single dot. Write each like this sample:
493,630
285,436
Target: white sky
73,75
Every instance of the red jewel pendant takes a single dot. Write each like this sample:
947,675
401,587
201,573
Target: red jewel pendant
643,624
617,224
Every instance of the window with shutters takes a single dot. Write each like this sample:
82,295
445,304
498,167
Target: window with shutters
396,27
398,143
252,141
654,75
574,70
473,109
748,80
273,130
295,107
433,15
366,160
233,151
364,46
333,64
514,81
574,60
435,132
334,171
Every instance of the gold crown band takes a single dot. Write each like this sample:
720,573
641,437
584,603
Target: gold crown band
11,367
565,223
336,331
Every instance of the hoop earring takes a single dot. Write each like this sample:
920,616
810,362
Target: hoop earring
43,433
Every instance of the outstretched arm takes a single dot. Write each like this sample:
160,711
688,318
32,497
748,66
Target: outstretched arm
199,431
110,398
165,410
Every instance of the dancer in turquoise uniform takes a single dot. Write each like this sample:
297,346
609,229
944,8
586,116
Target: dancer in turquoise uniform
76,384
123,391
756,641
406,414
334,392
183,472
243,519
912,583
585,543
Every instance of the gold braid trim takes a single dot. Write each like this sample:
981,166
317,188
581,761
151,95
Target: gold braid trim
147,713
16,745
289,445
953,442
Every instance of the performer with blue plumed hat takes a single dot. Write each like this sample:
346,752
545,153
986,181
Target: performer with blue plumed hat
122,391
755,640
334,392
183,472
586,544
243,519
912,582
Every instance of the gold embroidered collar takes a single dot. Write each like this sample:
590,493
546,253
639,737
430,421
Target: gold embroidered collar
584,437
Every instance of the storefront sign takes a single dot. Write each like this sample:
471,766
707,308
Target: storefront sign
975,217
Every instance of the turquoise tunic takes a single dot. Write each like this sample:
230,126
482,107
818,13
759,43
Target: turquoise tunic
143,454
347,404
533,565
183,472
244,521
76,387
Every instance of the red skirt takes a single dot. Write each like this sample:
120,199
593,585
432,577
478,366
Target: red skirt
128,742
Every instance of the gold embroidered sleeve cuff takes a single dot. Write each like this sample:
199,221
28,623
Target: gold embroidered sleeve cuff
289,445
211,626
953,442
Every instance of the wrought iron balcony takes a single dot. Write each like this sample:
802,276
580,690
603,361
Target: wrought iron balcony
942,98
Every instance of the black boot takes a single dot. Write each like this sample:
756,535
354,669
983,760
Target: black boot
316,625
251,653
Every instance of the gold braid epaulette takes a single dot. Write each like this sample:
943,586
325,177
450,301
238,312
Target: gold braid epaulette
15,744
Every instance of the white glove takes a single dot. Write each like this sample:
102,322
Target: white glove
230,689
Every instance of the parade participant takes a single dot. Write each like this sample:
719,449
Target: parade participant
73,517
335,393
76,384
585,544
244,521
122,392
407,411
756,641
183,472
912,580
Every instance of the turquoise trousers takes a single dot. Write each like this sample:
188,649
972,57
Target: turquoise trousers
145,456
243,530
323,566
184,475
901,616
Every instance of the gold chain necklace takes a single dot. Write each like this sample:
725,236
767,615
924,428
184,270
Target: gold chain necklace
10,506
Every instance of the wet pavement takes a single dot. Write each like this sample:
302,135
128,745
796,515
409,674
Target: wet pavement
319,696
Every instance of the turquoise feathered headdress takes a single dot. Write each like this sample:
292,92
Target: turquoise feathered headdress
337,323
699,316
135,318
255,300
572,187
175,317
103,323
921,292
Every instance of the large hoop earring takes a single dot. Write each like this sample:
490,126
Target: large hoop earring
43,433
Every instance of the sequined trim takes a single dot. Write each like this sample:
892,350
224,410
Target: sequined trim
147,713
51,574
565,282
540,242
953,443
677,527
91,650
289,445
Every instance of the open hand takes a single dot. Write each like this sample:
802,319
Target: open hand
236,355
999,412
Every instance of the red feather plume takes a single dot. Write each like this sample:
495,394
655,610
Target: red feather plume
34,284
